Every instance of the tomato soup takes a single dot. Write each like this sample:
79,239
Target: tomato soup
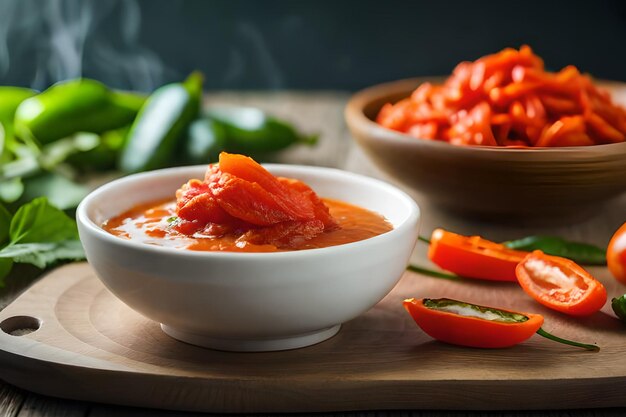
155,224
239,206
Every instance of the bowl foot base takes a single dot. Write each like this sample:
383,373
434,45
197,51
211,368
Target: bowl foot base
255,345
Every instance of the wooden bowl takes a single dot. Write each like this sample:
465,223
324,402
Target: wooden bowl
523,186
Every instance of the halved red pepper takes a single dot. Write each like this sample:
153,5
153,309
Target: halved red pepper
560,284
473,256
465,324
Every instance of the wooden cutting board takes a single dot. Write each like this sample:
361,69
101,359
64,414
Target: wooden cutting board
90,346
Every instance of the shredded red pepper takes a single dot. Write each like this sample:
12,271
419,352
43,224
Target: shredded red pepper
509,99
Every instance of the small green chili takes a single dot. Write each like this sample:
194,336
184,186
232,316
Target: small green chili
578,252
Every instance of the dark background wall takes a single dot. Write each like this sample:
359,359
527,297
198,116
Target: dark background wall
275,44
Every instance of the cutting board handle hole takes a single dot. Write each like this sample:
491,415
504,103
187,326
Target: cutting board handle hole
20,325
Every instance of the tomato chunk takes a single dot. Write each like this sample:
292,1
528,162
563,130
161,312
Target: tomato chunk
245,168
249,201
319,208
239,195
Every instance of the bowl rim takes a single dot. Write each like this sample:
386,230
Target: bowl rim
357,120
95,230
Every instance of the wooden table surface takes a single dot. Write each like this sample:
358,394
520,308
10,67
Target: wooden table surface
323,112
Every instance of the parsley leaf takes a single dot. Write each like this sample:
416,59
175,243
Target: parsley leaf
39,221
43,254
39,234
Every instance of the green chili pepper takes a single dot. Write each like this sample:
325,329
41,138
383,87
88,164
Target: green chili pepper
10,99
206,138
69,107
619,307
249,130
104,154
581,253
127,101
161,122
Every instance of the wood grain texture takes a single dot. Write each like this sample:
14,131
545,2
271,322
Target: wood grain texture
322,112
92,347
11,400
106,411
37,406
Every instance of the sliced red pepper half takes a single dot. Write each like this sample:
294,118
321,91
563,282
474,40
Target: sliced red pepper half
473,256
465,324
560,284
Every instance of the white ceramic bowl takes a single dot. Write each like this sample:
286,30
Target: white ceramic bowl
250,301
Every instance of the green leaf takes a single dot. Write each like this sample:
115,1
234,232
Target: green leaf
43,254
11,190
578,252
60,191
39,221
40,234
5,224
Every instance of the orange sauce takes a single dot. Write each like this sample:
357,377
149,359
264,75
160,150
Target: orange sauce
152,223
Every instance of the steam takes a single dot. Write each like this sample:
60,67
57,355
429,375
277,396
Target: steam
6,17
68,32
250,58
46,41
62,39
256,47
